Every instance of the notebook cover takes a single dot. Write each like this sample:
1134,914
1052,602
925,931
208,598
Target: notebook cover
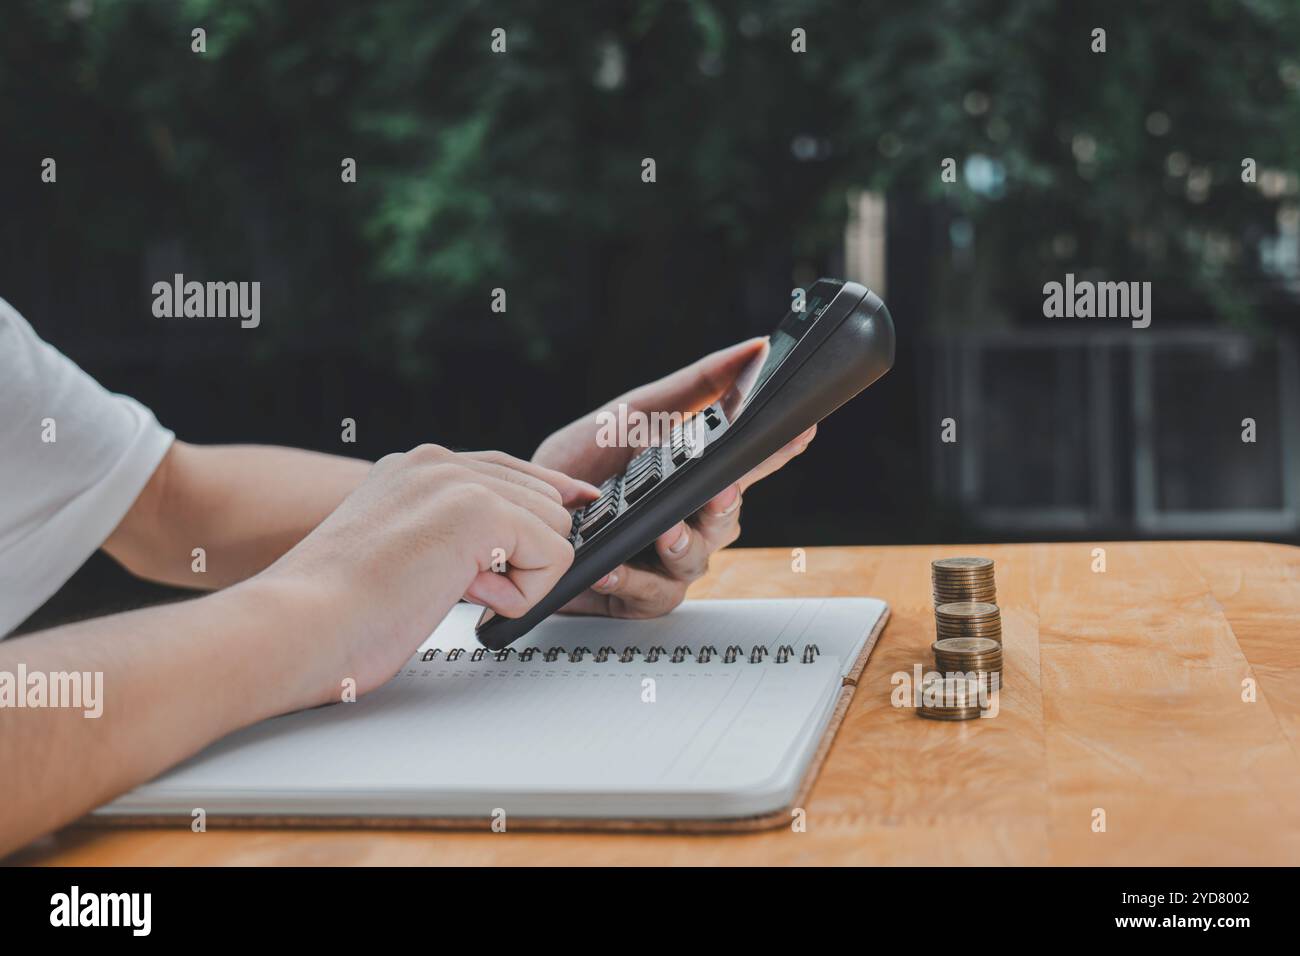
767,821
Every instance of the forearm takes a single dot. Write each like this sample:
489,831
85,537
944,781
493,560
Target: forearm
343,610
174,678
243,505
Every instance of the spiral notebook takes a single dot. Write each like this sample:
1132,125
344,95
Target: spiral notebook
716,716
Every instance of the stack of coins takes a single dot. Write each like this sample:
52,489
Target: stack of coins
968,625
968,619
965,655
950,698
963,579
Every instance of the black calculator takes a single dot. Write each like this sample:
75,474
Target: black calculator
822,354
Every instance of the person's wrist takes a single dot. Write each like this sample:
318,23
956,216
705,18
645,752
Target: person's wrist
339,628
292,633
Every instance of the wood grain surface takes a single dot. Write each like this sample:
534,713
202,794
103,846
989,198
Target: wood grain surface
1124,696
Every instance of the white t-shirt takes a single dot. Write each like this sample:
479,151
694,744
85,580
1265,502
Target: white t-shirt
73,459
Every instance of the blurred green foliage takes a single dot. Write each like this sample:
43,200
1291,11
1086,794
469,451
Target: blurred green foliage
522,170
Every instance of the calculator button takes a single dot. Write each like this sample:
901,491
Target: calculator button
640,476
685,449
593,521
639,488
596,507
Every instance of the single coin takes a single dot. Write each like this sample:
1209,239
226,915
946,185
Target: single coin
971,659
970,610
967,645
994,655
970,713
955,667
962,564
950,694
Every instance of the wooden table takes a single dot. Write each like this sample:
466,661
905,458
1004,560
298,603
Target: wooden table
1124,694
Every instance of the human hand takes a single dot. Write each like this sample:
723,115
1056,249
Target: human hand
425,528
682,551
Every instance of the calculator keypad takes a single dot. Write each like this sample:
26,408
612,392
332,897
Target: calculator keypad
648,468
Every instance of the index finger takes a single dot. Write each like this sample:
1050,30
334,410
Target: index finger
776,462
571,490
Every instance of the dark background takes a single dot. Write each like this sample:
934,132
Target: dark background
522,171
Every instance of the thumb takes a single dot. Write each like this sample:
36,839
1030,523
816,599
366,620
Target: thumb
700,383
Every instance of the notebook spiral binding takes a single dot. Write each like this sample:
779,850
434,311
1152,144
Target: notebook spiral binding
733,653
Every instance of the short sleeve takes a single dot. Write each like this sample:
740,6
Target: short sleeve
73,459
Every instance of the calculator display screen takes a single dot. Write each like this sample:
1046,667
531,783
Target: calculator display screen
779,344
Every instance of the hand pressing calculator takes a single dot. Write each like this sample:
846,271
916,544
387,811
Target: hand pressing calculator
818,358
